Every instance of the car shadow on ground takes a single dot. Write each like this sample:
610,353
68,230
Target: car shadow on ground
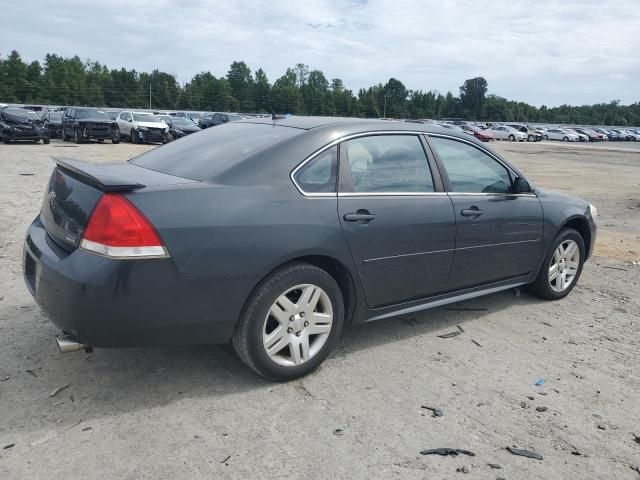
105,380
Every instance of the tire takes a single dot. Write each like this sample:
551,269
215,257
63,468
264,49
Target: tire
115,141
565,139
546,137
46,141
133,136
6,141
531,138
543,287
76,136
257,322
36,140
512,138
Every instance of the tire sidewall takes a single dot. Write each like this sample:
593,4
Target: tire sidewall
263,299
543,277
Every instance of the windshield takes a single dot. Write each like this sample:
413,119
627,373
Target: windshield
182,121
55,116
214,150
143,117
195,115
91,113
20,114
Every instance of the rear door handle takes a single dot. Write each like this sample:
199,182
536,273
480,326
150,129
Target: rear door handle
361,216
471,212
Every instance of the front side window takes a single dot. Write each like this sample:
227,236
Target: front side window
388,163
470,170
319,175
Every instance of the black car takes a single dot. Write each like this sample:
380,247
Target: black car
179,126
20,124
53,122
82,124
277,233
593,136
219,119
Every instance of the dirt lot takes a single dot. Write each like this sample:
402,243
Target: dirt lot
188,413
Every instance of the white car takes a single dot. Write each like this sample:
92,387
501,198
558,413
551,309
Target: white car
502,132
581,136
560,134
142,127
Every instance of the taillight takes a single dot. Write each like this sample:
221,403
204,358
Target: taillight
118,229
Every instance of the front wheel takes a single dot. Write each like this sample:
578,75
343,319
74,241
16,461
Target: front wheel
291,323
76,136
531,138
512,138
565,139
133,136
561,267
46,141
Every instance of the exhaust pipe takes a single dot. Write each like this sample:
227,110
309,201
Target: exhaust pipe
69,343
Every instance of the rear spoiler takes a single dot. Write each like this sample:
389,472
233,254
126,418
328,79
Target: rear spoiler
99,176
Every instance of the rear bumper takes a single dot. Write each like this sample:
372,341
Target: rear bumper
127,303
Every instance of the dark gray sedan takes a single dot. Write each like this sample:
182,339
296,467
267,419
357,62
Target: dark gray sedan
275,234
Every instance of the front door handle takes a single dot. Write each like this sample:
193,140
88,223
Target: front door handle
471,212
361,216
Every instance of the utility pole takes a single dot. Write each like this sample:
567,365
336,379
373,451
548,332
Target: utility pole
384,111
149,93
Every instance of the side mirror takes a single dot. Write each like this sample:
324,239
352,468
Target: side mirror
521,186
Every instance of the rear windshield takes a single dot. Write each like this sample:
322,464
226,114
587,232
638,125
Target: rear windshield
214,150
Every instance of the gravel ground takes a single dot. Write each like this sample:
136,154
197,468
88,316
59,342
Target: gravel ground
197,412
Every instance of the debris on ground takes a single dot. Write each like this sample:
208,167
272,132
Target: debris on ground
7,447
602,427
460,328
542,409
32,373
226,459
524,404
338,431
531,397
86,429
447,451
539,382
4,379
55,391
450,334
435,411
463,469
476,343
547,324
495,466
636,438
524,453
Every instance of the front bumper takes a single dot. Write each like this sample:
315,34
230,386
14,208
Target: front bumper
25,136
152,135
125,303
98,133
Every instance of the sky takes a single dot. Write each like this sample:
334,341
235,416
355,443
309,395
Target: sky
543,52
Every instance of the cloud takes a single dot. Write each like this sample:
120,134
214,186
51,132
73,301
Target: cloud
543,52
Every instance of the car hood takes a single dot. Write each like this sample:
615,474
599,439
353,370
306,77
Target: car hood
187,128
94,120
151,124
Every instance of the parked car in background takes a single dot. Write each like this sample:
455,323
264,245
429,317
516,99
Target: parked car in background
53,122
179,126
532,135
581,136
482,135
219,119
141,127
82,124
608,134
113,114
503,132
194,116
560,134
149,252
20,124
625,134
592,134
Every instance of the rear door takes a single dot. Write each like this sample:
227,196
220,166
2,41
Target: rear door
397,220
498,234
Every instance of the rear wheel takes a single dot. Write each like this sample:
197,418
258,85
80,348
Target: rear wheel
565,139
561,267
291,323
531,138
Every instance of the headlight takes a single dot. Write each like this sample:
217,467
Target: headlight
166,130
594,211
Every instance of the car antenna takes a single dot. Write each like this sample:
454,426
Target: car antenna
276,117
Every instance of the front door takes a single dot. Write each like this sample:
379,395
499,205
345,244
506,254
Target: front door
398,222
498,233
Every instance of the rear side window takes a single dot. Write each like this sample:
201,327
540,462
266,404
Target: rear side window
469,169
212,151
319,175
388,163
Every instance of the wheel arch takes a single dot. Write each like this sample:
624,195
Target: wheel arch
334,267
580,225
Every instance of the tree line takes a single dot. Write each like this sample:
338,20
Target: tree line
301,90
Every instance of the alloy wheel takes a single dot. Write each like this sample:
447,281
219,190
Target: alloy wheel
564,266
297,325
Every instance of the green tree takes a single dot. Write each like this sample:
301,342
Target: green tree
472,96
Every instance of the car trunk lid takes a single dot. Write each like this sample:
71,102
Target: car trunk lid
75,188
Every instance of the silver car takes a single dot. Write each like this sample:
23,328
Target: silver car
502,132
560,134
